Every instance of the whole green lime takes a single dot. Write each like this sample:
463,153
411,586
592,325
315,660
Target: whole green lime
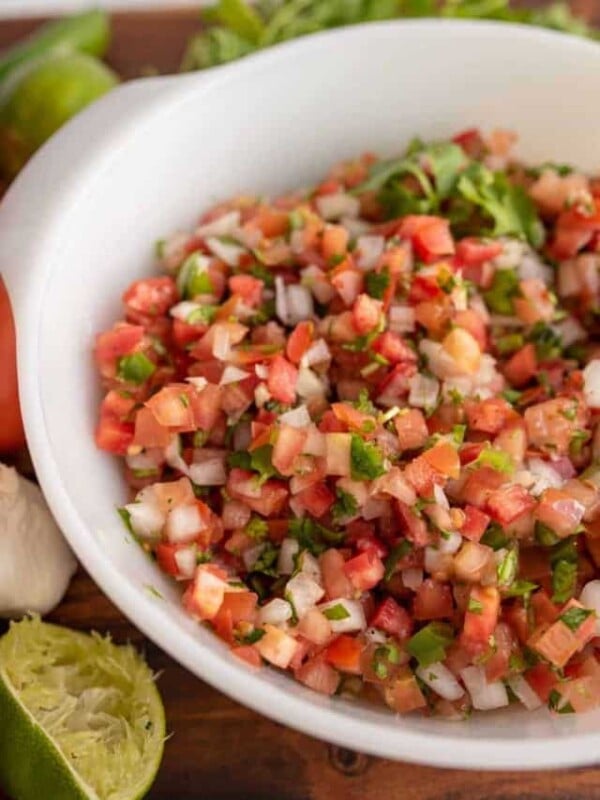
42,95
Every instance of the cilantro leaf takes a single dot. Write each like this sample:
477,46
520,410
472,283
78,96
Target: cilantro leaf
505,286
366,460
396,554
574,617
345,505
376,283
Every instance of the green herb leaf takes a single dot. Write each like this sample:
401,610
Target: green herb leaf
135,368
499,460
366,460
251,638
545,535
555,703
494,537
474,606
257,528
336,612
376,283
564,581
265,563
383,657
213,47
397,553
239,17
430,643
505,286
547,341
345,505
574,617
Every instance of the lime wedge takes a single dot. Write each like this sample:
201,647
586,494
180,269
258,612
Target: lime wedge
81,718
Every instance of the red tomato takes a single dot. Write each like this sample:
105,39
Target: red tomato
151,297
282,380
12,434
248,654
121,340
402,693
481,618
316,499
319,676
542,680
344,654
335,580
299,341
411,429
430,236
508,503
392,618
433,600
412,526
472,322
248,288
474,524
393,348
489,416
288,446
560,512
267,499
364,571
480,485
114,436
172,407
334,242
148,431
522,366
498,665
471,142
366,314
473,252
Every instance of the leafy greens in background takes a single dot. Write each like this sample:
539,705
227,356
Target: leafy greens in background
236,28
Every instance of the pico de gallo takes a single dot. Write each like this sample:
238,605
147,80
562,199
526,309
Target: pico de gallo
360,424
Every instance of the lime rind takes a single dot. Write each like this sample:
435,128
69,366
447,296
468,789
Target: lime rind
81,717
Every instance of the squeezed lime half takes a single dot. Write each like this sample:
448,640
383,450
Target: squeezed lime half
81,718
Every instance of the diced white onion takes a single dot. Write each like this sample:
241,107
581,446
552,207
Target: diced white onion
450,543
484,696
146,519
185,558
355,621
232,374
309,385
531,267
316,443
310,566
275,612
423,391
439,678
402,319
435,560
590,598
183,310
368,251
303,592
317,353
375,636
570,331
285,562
299,303
208,468
591,383
374,509
183,524
544,476
144,460
511,255
173,455
412,578
440,496
261,395
296,418
355,227
225,225
438,360
225,251
335,206
316,280
252,554
523,691
221,343
198,382
262,371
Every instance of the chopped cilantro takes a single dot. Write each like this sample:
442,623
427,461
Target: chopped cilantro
135,368
578,440
344,506
429,644
366,460
126,517
364,404
258,460
240,459
548,343
382,658
251,638
574,617
458,433
564,581
555,703
474,606
509,343
312,536
376,283
336,612
494,537
257,528
512,396
397,553
265,563
545,535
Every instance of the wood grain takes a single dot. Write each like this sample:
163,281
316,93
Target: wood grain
220,750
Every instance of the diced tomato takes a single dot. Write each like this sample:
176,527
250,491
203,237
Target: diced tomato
270,221
165,556
344,654
299,341
560,512
509,502
118,404
393,348
247,287
472,322
443,457
474,524
430,236
282,380
114,436
172,407
433,600
422,476
411,429
542,680
151,297
288,446
471,142
266,499
558,643
392,618
545,612
347,281
334,242
413,526
236,607
366,314
516,616
403,694
551,424
319,676
204,595
277,647
364,571
481,618
474,252
353,419
335,581
489,416
123,339
522,366
498,665
316,499
248,654
581,694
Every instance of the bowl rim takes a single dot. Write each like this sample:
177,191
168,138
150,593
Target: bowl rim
293,709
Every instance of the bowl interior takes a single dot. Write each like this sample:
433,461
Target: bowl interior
275,122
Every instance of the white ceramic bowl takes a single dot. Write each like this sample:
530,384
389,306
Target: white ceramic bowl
79,224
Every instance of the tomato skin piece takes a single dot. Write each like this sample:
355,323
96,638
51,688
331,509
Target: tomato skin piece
472,252
248,654
479,625
282,380
542,680
268,501
366,314
411,429
248,288
151,297
403,694
114,436
335,581
497,666
344,654
560,512
316,499
148,431
12,433
392,618
318,675
474,524
393,348
430,236
507,503
121,340
489,416
433,600
522,366
365,571
299,341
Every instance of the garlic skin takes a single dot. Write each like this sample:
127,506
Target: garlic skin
36,563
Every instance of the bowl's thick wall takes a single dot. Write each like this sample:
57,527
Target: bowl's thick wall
79,225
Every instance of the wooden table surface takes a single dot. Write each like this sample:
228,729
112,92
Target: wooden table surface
220,750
